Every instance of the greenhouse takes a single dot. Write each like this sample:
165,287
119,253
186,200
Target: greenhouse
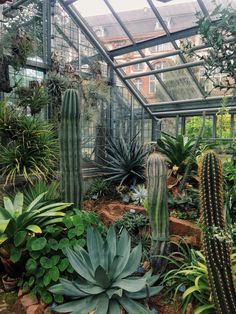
117,156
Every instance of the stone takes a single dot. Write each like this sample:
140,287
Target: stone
20,293
27,301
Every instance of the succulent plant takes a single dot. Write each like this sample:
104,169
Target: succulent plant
70,148
156,172
139,194
104,284
216,248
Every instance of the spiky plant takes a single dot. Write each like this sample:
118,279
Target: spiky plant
216,247
124,162
70,148
156,173
103,283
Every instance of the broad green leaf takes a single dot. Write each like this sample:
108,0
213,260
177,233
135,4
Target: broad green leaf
189,291
9,206
201,309
54,273
35,202
3,238
114,291
15,254
95,247
18,204
34,228
37,244
63,264
73,306
31,265
3,224
53,244
133,262
114,307
102,277
142,294
103,304
64,243
19,238
46,279
90,289
54,260
132,306
47,297
131,285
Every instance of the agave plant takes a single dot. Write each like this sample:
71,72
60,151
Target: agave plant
124,161
18,221
104,284
139,194
177,150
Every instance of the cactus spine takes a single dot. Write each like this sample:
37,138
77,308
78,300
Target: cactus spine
70,148
156,173
217,251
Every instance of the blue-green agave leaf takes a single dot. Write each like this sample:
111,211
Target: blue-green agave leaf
95,247
114,307
132,306
131,285
133,262
144,293
102,277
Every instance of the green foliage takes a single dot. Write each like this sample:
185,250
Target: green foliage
47,260
185,205
132,222
139,194
35,98
50,190
230,190
188,276
28,146
156,172
18,221
177,151
103,281
216,249
219,59
193,125
70,148
124,163
99,187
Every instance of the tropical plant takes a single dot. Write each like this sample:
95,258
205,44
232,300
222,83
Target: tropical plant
215,242
70,148
35,98
29,147
156,172
177,150
98,188
47,260
17,221
124,162
103,283
138,194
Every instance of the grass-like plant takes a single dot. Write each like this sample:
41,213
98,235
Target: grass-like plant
104,283
29,147
124,162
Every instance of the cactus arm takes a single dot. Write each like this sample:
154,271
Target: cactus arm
217,251
156,172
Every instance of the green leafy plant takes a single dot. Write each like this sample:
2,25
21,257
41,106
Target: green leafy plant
132,222
47,260
103,280
35,98
29,146
124,162
99,187
188,276
177,151
18,221
138,194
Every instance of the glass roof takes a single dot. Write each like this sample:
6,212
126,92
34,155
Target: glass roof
143,41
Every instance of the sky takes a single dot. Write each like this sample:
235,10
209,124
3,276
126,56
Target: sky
98,7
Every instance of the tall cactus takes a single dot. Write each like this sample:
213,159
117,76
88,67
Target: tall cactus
217,250
70,148
156,173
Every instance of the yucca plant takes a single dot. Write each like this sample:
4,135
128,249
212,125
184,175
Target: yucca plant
177,150
103,283
124,162
17,221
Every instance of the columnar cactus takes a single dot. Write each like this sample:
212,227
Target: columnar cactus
156,173
215,244
70,148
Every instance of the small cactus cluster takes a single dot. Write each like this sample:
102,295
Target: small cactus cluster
70,148
156,172
216,249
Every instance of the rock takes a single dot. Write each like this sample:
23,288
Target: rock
20,293
27,301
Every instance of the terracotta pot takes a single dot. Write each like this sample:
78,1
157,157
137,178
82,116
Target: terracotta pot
9,283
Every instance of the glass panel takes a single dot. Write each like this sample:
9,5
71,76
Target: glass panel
168,125
138,18
178,14
210,5
103,23
193,125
